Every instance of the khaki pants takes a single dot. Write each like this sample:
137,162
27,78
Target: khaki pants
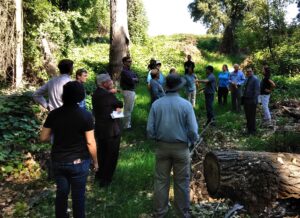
168,156
129,97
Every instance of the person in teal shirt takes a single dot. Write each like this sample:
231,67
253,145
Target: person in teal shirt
223,85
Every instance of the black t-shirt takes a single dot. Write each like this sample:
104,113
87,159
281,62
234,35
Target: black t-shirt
265,84
188,64
68,125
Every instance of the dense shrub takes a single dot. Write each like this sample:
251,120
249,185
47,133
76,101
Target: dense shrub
286,60
209,43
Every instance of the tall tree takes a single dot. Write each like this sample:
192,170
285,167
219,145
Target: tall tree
119,36
220,17
137,21
19,43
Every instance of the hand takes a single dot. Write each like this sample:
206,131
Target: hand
96,167
114,91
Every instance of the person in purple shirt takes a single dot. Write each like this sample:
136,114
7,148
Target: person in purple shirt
236,80
128,82
223,85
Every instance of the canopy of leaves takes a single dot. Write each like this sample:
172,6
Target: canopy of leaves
137,21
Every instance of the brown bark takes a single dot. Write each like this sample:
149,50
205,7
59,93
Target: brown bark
119,36
255,179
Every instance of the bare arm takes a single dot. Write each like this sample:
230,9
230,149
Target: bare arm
45,134
91,144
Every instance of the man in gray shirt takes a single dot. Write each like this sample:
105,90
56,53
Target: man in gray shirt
209,91
54,87
172,123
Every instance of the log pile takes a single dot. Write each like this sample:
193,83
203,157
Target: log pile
256,179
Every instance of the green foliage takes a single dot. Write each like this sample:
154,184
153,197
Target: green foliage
286,60
137,21
209,43
19,124
264,27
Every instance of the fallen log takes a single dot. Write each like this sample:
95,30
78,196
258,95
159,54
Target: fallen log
256,179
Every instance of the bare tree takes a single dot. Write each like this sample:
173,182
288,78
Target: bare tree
119,36
19,43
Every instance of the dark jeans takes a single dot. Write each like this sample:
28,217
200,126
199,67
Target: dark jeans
250,112
236,95
74,176
108,153
222,95
209,100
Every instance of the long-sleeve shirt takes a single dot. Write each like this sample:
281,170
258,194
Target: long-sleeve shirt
104,103
251,90
54,89
172,119
128,79
237,78
223,79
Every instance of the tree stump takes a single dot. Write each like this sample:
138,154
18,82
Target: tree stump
256,179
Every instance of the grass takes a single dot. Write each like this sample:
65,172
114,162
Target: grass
130,194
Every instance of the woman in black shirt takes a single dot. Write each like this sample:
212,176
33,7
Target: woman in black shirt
72,131
266,87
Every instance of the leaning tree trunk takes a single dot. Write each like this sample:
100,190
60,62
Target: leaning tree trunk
19,43
48,58
119,36
254,178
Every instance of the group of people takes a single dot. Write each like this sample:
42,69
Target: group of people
76,134
241,87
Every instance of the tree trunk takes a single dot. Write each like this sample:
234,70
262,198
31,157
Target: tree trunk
119,36
49,60
254,178
19,43
228,45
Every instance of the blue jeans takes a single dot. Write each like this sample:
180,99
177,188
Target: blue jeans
74,176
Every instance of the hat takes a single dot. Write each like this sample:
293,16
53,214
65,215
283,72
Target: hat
73,92
103,78
174,82
158,62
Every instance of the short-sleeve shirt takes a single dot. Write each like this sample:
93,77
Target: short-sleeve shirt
265,84
68,125
210,87
190,82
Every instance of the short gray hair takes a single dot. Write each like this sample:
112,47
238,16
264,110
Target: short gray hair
102,78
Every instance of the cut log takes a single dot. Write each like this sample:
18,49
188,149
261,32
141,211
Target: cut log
256,179
293,112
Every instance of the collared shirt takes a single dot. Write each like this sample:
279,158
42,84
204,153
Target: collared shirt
54,89
237,77
172,119
223,79
128,79
161,79
190,82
